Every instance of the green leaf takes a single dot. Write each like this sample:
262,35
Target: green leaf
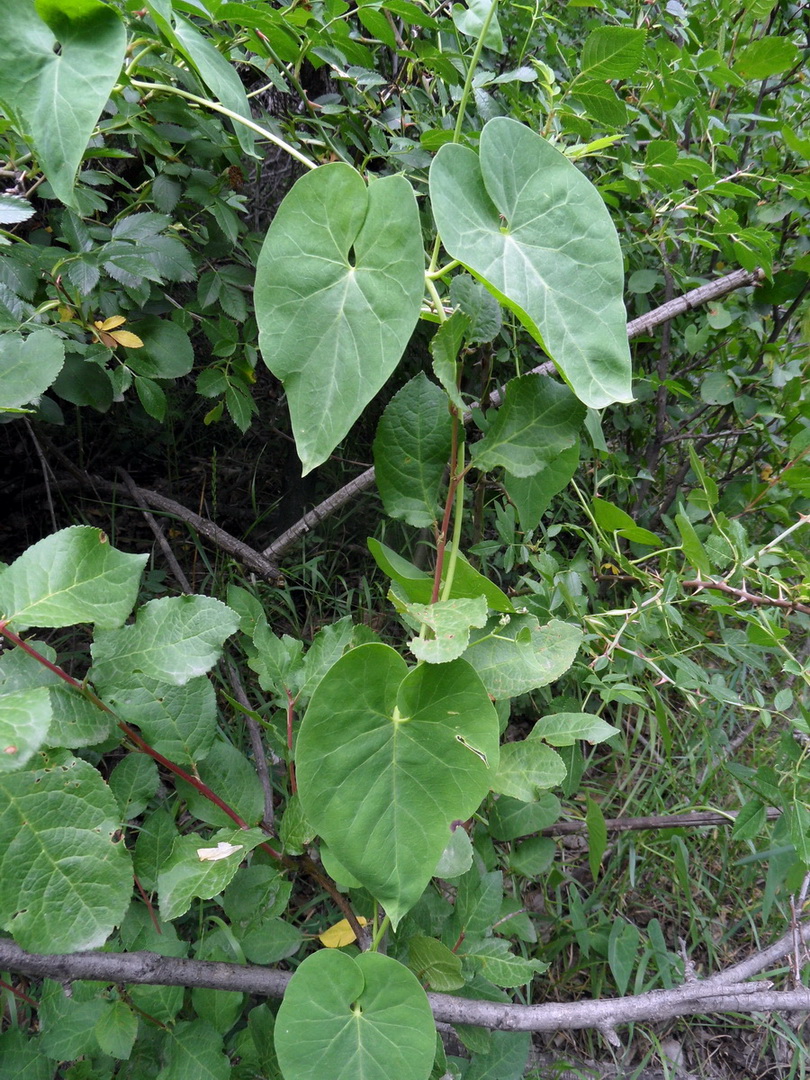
179,722
767,56
534,230
470,21
433,963
28,366
511,818
612,52
339,286
478,902
506,1058
152,397
457,857
516,655
480,307
173,639
116,1029
450,621
494,958
133,782
445,346
73,576
418,586
387,758
25,717
58,63
532,495
14,210
564,729
623,946
537,420
65,873
601,103
411,451
75,721
21,1057
233,777
527,769
693,550
194,870
166,352
193,1051
597,836
345,1017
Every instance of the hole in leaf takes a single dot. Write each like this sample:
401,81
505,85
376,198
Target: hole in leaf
57,48
352,257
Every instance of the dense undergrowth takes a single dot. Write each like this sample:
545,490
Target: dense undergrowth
616,591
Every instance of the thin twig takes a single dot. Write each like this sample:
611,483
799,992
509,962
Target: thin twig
47,473
163,543
750,598
694,819
256,742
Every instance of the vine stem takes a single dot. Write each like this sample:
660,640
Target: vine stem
465,93
131,734
167,88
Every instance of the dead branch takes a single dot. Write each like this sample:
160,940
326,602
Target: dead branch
724,992
694,819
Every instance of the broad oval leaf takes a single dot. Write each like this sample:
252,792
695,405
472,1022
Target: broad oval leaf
58,64
73,576
516,655
387,758
28,366
346,1017
534,230
339,285
65,873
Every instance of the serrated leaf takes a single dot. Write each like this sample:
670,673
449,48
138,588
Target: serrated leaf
481,308
511,818
527,770
173,639
167,352
185,876
470,21
411,451
354,1016
387,758
179,722
767,56
116,1030
564,729
531,227
233,777
73,576
494,958
450,621
58,64
133,782
28,366
612,52
14,210
193,1050
506,1058
339,287
518,655
25,717
537,420
65,873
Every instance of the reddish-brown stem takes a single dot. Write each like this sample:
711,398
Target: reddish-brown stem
149,906
290,720
441,540
132,735
19,994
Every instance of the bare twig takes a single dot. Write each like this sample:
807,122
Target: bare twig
721,993
694,819
163,543
256,742
750,598
692,299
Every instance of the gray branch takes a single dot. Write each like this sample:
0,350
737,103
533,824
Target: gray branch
724,992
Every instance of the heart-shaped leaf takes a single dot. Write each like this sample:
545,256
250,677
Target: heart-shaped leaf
535,231
387,758
58,64
345,1017
339,285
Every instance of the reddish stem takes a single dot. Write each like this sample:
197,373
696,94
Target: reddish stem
132,735
290,720
441,541
18,993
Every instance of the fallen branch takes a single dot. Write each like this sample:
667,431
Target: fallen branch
738,279
724,992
